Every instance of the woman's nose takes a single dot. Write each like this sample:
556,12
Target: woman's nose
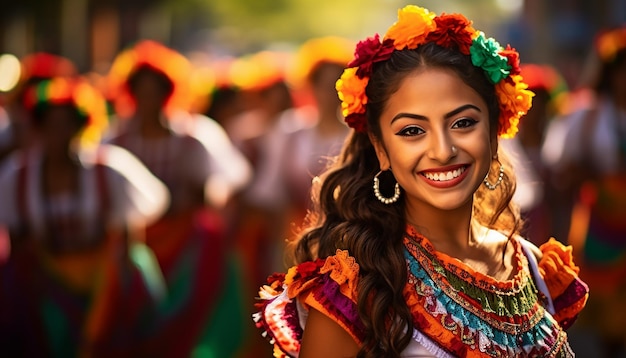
441,148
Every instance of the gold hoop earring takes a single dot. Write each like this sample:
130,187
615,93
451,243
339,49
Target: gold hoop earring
380,197
500,177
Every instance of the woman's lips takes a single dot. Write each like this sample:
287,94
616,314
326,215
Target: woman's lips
445,177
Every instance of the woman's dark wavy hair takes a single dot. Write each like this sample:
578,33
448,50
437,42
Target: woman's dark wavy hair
346,214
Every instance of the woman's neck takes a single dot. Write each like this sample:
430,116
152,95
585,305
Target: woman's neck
62,158
329,124
60,172
152,125
448,230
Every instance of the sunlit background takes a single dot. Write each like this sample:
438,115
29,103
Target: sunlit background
91,32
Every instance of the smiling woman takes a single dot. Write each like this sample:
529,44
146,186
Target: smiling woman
430,262
440,153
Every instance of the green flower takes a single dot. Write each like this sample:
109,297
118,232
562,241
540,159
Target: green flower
485,54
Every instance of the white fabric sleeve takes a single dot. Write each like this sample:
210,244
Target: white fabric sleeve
138,196
529,190
269,187
227,161
562,145
229,169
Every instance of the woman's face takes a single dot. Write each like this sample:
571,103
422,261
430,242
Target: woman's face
149,93
436,139
59,125
323,86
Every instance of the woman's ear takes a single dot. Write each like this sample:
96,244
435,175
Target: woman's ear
381,152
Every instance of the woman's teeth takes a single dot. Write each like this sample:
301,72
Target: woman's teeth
444,175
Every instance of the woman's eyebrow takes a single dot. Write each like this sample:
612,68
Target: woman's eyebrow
446,116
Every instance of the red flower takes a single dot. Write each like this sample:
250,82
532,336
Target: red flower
309,268
357,121
368,52
385,51
512,57
453,31
365,51
276,277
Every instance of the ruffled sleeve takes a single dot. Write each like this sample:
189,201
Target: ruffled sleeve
329,286
569,293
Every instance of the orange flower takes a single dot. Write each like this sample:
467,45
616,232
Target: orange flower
413,26
609,43
515,100
291,275
351,91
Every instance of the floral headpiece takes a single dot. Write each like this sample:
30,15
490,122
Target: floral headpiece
157,57
87,101
416,26
312,53
42,65
608,44
259,71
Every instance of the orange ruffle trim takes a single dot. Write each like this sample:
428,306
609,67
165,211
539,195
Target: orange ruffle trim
343,270
559,271
557,267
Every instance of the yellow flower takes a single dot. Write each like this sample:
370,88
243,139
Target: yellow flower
291,275
413,25
515,101
351,91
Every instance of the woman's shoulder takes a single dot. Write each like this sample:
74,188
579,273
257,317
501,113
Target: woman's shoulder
340,269
308,280
327,285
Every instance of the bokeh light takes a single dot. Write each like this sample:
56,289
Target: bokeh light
10,70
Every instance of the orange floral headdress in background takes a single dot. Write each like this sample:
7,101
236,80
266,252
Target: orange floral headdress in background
157,57
76,92
416,26
609,43
260,70
43,65
328,49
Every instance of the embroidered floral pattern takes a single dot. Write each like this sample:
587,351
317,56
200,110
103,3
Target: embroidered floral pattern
455,309
491,318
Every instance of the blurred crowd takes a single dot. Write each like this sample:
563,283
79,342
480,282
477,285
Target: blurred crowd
142,208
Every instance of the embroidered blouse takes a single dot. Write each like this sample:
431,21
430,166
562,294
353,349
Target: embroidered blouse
457,312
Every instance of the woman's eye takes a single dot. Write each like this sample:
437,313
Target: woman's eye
410,131
464,123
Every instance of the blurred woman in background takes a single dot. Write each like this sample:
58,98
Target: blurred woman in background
587,151
72,209
34,68
150,85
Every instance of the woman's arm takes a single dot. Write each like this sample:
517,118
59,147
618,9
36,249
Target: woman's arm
323,337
